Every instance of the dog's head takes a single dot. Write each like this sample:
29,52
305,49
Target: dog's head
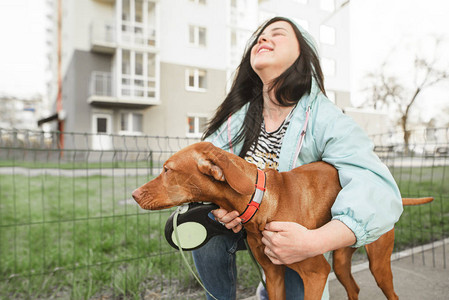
198,172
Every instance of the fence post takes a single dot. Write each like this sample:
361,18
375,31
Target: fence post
151,162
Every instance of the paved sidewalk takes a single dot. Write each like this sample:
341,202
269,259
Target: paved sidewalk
418,274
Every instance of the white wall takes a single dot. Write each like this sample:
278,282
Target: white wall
176,16
372,121
77,18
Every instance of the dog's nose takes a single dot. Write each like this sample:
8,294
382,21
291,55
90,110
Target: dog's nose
136,195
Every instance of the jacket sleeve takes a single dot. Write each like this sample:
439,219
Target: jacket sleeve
370,202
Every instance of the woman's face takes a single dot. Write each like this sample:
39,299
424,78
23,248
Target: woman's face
277,48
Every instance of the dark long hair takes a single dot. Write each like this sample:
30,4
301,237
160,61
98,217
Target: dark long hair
247,87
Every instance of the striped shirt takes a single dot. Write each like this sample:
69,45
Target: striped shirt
264,153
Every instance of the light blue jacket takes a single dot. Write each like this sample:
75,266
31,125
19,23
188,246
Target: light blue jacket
369,202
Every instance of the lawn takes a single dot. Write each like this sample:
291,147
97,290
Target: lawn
424,223
83,237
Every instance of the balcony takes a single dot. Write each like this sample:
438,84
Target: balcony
105,1
102,92
102,37
101,85
138,34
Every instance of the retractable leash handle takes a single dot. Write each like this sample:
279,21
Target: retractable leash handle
194,226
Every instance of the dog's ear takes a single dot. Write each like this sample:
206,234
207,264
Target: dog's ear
216,163
208,168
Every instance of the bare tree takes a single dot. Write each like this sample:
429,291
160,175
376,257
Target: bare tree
387,90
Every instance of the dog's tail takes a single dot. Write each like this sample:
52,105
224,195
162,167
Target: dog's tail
416,201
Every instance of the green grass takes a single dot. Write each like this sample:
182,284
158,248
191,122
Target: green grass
82,237
424,223
420,224
60,232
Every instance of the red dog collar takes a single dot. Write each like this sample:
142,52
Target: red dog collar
256,199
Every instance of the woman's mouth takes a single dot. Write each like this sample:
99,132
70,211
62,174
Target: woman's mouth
264,49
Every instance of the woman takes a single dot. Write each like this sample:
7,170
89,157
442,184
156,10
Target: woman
277,93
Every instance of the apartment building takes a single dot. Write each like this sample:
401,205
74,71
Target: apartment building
161,67
20,112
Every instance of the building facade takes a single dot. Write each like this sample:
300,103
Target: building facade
20,113
162,67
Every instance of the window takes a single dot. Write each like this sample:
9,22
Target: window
196,80
197,36
139,64
138,23
328,66
131,123
101,125
138,8
327,35
196,125
300,1
138,75
126,10
126,62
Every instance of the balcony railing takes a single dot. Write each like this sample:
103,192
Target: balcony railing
137,34
101,84
103,37
102,90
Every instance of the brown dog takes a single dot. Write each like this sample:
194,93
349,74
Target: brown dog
205,173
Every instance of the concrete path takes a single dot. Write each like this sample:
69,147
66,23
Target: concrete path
419,274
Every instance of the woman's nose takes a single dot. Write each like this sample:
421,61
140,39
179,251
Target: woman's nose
262,38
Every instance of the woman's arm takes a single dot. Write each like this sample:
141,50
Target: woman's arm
289,242
370,202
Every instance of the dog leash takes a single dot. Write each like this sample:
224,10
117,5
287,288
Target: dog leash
178,242
259,272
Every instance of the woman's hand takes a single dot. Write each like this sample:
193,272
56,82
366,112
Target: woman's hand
288,242
230,220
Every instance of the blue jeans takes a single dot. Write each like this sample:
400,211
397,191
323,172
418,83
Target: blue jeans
216,266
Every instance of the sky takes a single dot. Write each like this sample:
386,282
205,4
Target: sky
22,51
398,29
377,27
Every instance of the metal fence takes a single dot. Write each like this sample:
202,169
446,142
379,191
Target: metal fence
70,229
